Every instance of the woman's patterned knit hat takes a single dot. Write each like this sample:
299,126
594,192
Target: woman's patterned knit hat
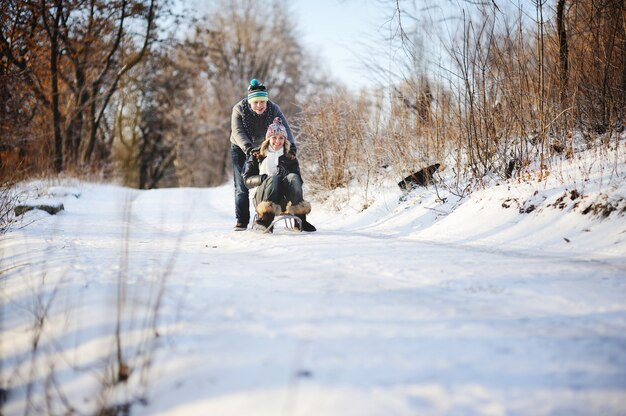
276,127
257,91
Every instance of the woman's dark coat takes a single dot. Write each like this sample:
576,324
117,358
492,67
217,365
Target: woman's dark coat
251,174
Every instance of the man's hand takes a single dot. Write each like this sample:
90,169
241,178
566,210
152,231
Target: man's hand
256,151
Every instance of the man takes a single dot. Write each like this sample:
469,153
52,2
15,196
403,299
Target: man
250,120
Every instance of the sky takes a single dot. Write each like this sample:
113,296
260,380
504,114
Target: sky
426,303
338,32
341,32
346,35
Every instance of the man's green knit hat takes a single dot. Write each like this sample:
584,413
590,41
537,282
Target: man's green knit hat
257,91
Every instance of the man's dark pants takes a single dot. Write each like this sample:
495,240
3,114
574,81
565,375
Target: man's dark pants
242,199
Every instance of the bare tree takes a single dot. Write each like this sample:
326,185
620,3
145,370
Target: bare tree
73,55
244,42
597,63
188,88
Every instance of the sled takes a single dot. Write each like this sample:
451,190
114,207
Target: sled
290,223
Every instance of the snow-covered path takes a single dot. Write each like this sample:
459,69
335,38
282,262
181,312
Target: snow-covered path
346,321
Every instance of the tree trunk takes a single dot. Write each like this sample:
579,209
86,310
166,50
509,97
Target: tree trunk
53,31
95,116
74,131
91,143
563,50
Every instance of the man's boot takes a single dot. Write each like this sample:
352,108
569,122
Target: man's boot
240,226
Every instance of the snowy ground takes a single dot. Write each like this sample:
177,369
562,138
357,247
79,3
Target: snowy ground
414,306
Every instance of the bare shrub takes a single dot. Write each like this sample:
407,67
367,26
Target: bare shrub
415,134
335,140
597,49
9,198
44,365
517,90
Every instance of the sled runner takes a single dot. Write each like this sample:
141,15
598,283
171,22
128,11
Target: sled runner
290,223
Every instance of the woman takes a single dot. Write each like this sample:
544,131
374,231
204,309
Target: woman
277,176
249,121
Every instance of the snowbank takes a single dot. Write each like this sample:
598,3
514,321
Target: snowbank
146,302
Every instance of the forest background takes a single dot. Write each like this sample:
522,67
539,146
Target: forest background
139,92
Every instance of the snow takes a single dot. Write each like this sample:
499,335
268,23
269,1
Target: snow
424,303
